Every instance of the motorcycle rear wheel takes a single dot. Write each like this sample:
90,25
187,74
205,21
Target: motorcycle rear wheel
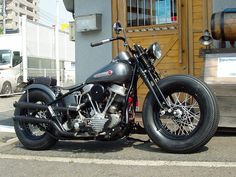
196,115
33,136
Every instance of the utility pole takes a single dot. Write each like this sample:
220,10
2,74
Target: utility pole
4,15
57,44
24,48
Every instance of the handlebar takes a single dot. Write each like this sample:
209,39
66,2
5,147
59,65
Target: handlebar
95,44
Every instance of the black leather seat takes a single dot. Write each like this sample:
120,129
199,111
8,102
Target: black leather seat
70,87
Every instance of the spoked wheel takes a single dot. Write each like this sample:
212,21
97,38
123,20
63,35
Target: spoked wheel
186,115
191,119
34,131
34,136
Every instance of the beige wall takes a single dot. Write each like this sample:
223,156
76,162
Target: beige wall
17,8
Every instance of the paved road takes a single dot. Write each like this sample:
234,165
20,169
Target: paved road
7,109
119,158
6,103
61,169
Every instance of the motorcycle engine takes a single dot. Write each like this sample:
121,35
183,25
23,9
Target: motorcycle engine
102,110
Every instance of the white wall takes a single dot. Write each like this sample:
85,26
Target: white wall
89,59
41,43
11,41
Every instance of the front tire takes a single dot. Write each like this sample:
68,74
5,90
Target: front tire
33,136
195,118
6,88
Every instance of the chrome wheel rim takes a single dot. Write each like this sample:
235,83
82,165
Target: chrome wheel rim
185,117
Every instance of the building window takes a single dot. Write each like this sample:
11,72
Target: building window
8,12
22,6
150,12
30,9
9,21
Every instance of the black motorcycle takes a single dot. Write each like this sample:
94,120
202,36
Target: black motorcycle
180,112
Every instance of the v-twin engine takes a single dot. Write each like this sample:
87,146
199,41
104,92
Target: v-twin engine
103,110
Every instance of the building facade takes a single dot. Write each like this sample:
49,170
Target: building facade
88,57
16,8
176,24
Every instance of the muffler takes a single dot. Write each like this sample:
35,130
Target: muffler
26,105
59,132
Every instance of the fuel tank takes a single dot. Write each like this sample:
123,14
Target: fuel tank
119,71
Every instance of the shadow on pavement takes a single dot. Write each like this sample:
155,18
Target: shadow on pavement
91,146
103,147
6,118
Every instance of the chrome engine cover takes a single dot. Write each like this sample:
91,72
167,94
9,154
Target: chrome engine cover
118,89
97,122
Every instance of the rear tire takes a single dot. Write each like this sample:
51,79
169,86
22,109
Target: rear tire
31,135
197,115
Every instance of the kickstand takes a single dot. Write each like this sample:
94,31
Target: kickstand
138,129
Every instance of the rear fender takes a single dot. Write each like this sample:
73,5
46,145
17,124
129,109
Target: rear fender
43,88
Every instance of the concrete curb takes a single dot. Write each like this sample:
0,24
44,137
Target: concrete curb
6,129
9,142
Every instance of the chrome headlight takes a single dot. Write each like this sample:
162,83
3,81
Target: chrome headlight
154,51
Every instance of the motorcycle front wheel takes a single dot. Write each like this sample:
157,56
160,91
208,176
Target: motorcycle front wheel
191,120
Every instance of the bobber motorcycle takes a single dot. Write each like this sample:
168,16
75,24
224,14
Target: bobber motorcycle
180,112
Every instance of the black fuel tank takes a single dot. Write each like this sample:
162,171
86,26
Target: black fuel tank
118,71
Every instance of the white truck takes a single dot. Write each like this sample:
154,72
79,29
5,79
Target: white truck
40,51
10,63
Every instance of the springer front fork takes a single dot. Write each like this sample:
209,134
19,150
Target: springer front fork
151,82
166,108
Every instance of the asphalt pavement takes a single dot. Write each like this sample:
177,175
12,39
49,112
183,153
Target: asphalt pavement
125,157
7,110
61,169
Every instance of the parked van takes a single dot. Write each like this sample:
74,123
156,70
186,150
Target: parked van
10,70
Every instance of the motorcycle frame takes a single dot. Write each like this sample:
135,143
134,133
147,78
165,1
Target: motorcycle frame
141,66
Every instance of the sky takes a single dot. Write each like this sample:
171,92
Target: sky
47,12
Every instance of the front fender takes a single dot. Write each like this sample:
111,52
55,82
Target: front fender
43,88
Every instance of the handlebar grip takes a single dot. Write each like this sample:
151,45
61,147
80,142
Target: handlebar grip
95,44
